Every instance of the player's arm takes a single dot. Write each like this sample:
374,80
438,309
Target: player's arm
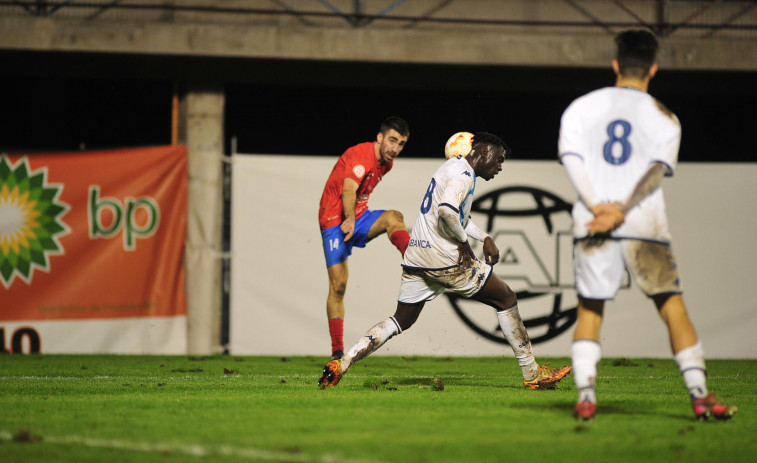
606,216
574,167
491,252
571,144
651,181
349,199
474,232
615,215
450,216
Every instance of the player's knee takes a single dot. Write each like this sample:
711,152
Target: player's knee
338,288
396,219
406,326
406,315
404,322
667,300
511,301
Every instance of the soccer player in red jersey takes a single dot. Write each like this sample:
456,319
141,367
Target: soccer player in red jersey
345,219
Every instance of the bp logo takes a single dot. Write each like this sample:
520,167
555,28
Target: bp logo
30,220
532,229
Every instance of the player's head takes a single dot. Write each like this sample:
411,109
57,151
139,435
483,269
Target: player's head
392,138
637,52
488,151
486,138
395,123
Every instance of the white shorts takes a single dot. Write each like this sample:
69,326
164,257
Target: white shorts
600,267
420,285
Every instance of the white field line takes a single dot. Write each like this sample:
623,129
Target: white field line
297,376
191,449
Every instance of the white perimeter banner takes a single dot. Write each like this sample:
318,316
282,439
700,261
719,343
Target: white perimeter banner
143,335
279,282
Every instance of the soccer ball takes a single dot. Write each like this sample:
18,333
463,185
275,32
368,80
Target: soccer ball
458,144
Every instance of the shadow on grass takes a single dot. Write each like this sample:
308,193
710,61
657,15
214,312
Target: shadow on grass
610,408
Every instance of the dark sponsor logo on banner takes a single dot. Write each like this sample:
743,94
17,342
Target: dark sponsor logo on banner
24,340
122,217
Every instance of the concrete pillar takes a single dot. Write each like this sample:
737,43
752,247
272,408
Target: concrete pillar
201,108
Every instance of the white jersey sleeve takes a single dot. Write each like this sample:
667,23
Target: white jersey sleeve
433,245
617,133
474,232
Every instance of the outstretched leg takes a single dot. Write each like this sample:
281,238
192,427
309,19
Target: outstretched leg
392,223
496,293
374,338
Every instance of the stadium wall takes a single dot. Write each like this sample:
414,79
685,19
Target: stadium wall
719,35
279,282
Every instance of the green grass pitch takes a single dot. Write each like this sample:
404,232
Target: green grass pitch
80,408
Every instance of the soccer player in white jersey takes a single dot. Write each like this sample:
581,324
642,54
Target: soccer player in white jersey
616,144
439,258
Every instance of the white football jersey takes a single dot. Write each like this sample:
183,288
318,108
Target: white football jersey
618,133
432,246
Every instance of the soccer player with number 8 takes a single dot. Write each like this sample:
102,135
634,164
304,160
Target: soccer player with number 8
616,144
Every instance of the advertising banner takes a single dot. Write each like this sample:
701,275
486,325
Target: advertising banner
279,281
91,251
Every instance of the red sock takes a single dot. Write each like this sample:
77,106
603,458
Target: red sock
400,240
336,330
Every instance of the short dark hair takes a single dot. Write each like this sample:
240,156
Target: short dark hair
486,138
397,123
637,51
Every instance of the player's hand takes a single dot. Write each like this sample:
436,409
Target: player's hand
607,217
348,228
491,252
465,256
601,208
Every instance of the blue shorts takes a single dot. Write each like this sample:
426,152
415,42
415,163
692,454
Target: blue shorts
334,247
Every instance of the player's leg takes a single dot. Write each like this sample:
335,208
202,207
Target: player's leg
370,342
392,223
414,292
654,268
586,352
680,328
687,350
403,319
689,356
600,270
413,289
336,252
496,293
338,275
589,319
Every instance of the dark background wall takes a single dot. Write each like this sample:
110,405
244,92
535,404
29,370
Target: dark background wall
51,101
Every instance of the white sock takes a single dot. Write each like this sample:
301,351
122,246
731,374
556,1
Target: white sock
585,355
691,363
517,336
371,341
